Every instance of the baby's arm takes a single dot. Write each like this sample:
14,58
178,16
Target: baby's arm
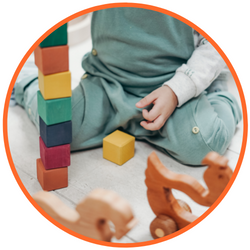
202,68
189,81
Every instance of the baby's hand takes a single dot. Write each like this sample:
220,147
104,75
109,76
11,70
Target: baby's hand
165,102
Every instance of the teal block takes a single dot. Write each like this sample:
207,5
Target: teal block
54,111
56,38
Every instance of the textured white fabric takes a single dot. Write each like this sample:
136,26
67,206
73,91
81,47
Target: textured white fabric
202,68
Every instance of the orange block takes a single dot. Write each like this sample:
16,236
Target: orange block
51,60
51,179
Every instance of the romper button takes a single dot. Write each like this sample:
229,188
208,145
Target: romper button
195,130
84,76
94,52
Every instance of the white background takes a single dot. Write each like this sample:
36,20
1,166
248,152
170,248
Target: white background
22,23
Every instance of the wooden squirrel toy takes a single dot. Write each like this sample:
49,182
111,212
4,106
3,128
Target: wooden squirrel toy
173,214
92,215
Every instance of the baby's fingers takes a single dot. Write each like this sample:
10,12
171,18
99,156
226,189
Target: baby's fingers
152,114
147,100
155,125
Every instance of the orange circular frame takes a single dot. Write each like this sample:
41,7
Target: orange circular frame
114,5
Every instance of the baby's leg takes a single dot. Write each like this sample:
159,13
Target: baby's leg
206,123
93,107
26,96
98,108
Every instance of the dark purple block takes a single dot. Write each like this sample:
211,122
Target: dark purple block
56,134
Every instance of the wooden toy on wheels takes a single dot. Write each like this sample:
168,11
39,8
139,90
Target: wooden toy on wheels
92,215
172,214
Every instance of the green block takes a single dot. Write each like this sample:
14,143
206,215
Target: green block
56,38
54,111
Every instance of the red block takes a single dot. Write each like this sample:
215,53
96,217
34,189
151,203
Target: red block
51,60
51,179
54,157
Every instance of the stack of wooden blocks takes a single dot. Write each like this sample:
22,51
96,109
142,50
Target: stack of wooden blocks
54,109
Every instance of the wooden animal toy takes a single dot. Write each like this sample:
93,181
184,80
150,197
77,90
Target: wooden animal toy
92,215
118,147
173,214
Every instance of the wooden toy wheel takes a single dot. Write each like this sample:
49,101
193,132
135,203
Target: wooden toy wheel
161,226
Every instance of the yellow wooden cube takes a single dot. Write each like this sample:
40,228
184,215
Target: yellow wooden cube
55,85
118,147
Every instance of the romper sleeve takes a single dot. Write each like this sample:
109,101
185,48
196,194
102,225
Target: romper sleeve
202,68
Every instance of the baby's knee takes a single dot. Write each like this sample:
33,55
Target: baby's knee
214,137
201,126
202,139
220,137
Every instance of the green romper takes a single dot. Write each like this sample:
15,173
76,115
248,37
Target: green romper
134,52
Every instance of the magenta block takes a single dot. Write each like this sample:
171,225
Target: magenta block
54,157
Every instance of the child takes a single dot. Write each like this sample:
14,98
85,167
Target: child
146,75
